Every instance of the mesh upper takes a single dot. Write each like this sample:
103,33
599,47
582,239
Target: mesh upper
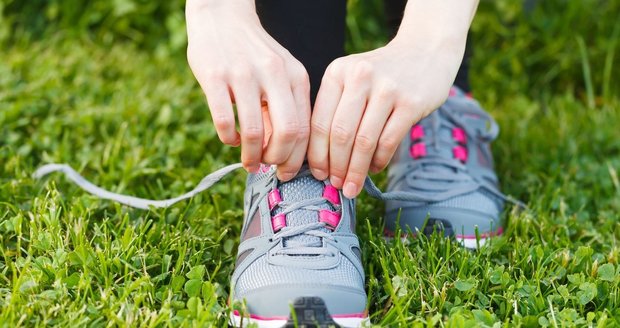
297,190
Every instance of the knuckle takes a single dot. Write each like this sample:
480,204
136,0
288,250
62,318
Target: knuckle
289,131
271,159
319,127
337,171
252,133
356,174
272,63
241,73
362,70
250,162
388,143
381,159
301,79
317,161
340,134
379,163
226,139
289,167
223,123
215,75
364,143
334,70
387,90
303,132
413,101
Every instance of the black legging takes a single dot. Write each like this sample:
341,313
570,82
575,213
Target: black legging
314,31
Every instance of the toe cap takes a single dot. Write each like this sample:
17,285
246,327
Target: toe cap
276,301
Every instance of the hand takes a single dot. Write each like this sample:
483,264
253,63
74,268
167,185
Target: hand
236,62
368,102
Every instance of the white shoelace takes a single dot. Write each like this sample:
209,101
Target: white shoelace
214,177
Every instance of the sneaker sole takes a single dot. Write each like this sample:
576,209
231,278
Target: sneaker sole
309,312
467,241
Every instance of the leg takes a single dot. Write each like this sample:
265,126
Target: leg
312,30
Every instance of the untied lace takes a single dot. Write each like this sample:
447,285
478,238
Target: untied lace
294,247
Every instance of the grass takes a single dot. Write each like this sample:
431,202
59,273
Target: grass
137,123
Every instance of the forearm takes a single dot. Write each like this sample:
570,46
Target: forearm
437,23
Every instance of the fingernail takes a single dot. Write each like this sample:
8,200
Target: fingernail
319,174
336,181
350,190
252,169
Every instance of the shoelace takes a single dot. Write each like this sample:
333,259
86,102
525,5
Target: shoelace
460,183
296,248
315,229
204,184
301,248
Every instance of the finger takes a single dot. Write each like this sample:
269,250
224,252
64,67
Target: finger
376,115
284,122
220,106
301,94
267,129
343,130
325,105
395,130
250,124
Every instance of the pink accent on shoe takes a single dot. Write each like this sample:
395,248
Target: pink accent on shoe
264,168
499,232
258,317
453,92
339,316
330,217
331,194
460,153
278,222
469,95
274,198
418,150
459,135
351,315
417,132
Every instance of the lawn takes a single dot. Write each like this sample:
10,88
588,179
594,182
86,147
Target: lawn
130,117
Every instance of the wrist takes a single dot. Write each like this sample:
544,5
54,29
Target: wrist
435,42
439,24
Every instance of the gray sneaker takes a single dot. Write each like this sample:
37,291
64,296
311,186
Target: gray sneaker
299,259
447,163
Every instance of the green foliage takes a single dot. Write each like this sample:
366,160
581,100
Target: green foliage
150,24
552,46
135,122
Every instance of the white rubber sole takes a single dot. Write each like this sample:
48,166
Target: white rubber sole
237,321
472,243
468,243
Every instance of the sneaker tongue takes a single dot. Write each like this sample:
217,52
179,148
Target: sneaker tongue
299,189
442,144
